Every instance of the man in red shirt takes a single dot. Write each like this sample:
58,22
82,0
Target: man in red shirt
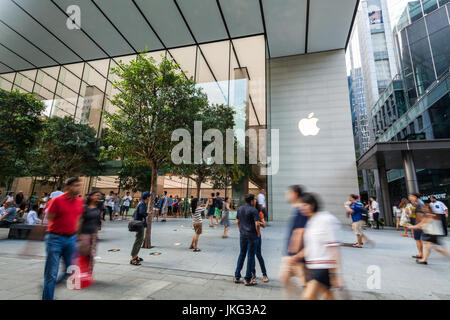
64,214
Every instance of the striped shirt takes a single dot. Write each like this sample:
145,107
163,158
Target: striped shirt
197,215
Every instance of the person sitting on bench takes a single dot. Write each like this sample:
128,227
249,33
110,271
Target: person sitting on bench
32,217
10,216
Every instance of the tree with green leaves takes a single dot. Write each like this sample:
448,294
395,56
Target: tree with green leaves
154,99
218,117
66,149
20,124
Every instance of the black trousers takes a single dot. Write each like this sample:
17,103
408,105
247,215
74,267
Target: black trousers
376,216
444,224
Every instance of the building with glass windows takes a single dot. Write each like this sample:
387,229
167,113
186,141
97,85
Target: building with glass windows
416,103
275,62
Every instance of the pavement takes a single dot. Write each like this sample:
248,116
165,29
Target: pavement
179,273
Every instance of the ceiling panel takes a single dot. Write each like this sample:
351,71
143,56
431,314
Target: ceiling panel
30,29
243,17
204,19
329,24
167,22
4,69
97,27
18,44
12,60
286,26
55,20
126,17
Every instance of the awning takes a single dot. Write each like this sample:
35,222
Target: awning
427,154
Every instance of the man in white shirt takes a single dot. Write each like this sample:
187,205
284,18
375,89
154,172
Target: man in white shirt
437,207
261,198
32,218
376,210
56,193
126,204
109,200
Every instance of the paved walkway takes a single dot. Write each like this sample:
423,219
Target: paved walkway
178,273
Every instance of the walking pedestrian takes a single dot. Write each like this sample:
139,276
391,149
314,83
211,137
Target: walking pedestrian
63,217
292,264
321,251
354,208
418,213
126,205
90,224
56,193
169,205
42,204
197,223
140,214
225,220
431,227
441,210
247,219
117,205
211,209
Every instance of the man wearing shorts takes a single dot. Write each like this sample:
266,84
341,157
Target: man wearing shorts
197,222
126,204
355,209
419,213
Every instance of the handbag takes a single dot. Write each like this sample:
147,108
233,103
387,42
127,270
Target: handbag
135,225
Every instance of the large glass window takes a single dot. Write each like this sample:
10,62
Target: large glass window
439,30
415,10
429,5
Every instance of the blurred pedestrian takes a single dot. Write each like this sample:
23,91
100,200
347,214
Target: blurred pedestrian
42,204
63,217
20,198
109,201
140,214
164,206
218,207
293,263
56,193
321,251
376,210
117,205
261,205
247,219
355,208
431,226
10,215
90,224
125,206
441,210
418,213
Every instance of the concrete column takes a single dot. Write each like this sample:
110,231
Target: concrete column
384,198
410,172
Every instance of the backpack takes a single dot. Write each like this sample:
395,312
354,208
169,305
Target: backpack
364,211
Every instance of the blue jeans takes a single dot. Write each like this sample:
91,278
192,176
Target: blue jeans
248,247
260,258
57,246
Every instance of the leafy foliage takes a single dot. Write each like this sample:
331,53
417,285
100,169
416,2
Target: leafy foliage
66,149
20,124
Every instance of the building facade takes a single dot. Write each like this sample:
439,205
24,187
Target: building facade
269,60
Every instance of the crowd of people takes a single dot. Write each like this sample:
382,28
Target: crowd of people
311,253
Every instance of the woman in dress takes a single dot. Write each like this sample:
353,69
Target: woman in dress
225,221
404,216
89,226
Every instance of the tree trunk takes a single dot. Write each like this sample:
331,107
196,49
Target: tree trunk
199,185
147,244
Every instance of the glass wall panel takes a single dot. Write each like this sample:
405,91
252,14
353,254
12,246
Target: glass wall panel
185,57
429,5
415,10
439,31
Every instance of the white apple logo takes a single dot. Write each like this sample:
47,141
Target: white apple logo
308,127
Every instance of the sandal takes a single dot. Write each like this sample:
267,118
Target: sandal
356,246
140,259
135,262
250,283
197,250
416,257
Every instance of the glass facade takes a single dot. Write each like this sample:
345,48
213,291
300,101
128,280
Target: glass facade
229,72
